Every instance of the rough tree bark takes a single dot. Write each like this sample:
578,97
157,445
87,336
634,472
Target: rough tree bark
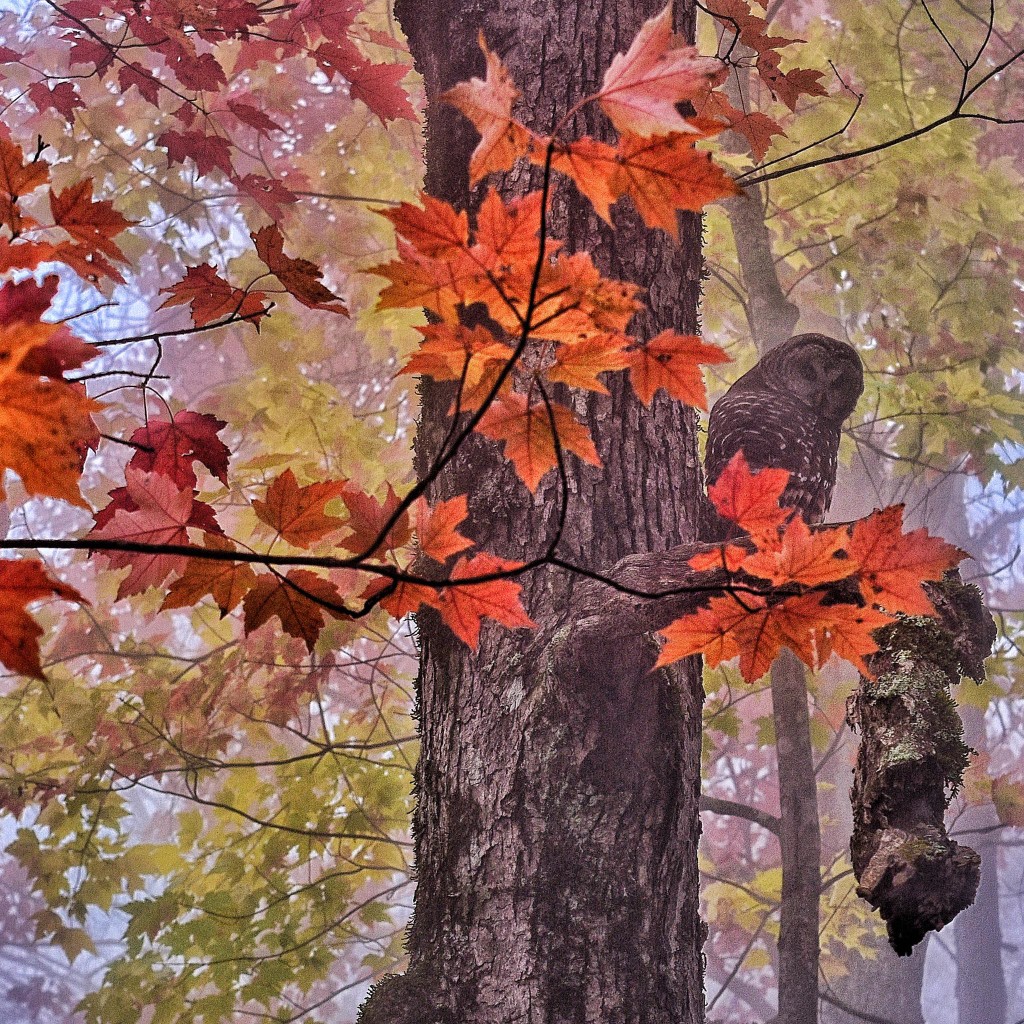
556,821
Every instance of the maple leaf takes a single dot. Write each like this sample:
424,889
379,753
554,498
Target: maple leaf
664,173
297,513
579,363
212,298
1008,798
804,557
842,629
529,431
253,117
91,222
62,98
22,582
642,86
435,527
434,229
207,152
488,104
45,425
299,599
169,447
25,255
403,597
672,361
751,500
367,519
756,127
226,582
463,606
472,356
791,85
269,193
17,179
134,74
377,85
300,277
892,565
727,556
160,515
61,352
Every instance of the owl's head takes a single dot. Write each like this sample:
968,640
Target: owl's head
823,373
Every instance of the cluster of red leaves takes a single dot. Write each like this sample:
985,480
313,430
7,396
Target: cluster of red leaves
817,592
80,232
746,29
213,299
379,534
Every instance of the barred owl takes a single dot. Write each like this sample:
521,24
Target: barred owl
786,413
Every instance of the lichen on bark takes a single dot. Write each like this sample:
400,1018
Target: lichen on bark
911,761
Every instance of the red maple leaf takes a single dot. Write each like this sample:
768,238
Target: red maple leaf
300,599
91,222
213,299
21,583
207,152
300,277
160,513
169,447
751,500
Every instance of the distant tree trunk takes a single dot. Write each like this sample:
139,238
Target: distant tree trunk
556,821
980,982
772,318
887,987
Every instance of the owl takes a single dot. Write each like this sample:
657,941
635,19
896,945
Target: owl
787,413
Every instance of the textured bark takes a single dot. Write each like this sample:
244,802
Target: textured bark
910,757
556,820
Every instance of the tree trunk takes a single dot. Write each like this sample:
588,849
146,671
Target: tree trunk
980,982
556,821
772,318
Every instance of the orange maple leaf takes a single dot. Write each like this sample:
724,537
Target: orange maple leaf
299,599
804,557
751,500
665,173
463,606
727,556
297,513
579,363
892,564
435,527
529,439
22,582
226,582
435,229
300,277
642,86
45,425
488,104
672,361
403,597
